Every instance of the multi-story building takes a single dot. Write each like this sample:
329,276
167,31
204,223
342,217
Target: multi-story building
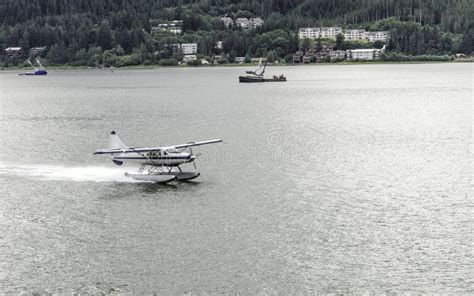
377,36
310,33
350,34
337,55
189,58
355,34
170,26
188,48
228,22
330,32
176,30
298,56
37,50
364,54
255,22
13,52
242,22
245,23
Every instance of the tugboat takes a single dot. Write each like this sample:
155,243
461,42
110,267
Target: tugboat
38,70
257,75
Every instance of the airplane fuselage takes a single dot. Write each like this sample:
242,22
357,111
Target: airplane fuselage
158,158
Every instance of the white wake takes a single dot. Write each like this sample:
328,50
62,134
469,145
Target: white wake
66,173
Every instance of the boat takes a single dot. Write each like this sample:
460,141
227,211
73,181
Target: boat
255,78
257,75
38,70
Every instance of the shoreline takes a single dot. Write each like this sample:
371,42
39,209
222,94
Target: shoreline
345,63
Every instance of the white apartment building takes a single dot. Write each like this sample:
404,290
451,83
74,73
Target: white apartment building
310,33
330,32
175,30
227,21
188,48
350,34
355,34
242,22
189,58
255,22
174,27
315,33
377,36
337,55
245,23
364,54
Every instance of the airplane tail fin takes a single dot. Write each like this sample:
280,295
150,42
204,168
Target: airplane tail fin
115,142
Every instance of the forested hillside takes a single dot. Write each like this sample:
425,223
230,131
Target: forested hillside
118,32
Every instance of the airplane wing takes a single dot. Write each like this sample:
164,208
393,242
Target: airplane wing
125,150
191,144
143,149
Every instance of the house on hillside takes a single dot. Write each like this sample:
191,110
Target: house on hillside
13,52
297,57
368,54
330,32
255,22
242,22
349,34
189,58
337,55
378,36
245,23
257,60
355,34
307,58
37,50
175,27
228,22
310,33
188,48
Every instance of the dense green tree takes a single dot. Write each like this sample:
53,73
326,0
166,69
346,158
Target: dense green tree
231,56
58,54
339,40
467,44
70,29
104,36
446,43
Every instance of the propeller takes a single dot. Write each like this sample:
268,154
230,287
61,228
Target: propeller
195,157
194,161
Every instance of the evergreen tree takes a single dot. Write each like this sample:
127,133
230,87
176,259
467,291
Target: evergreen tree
58,54
339,40
104,36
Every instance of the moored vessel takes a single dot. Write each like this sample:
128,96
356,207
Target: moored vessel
40,70
257,75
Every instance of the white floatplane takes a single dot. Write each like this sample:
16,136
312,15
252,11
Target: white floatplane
157,164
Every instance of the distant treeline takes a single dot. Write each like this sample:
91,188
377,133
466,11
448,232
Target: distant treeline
118,32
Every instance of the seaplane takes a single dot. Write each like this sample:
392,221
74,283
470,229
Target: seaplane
157,164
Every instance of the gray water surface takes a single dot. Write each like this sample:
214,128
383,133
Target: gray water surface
346,178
